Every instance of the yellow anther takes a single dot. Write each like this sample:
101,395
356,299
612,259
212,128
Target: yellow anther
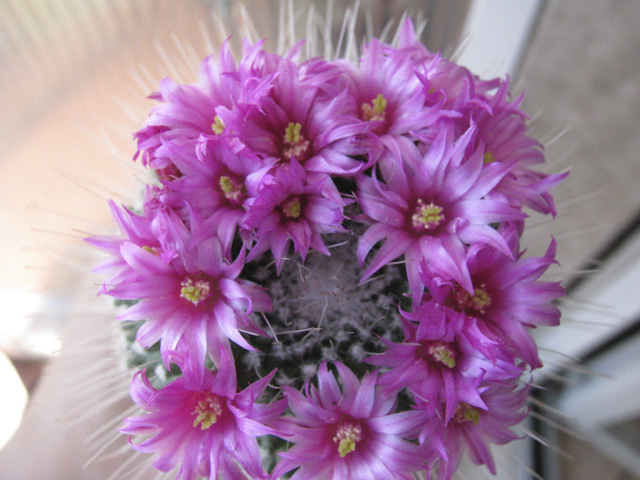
292,133
466,413
346,446
427,217
481,299
379,104
294,144
478,302
217,126
376,110
347,436
438,354
488,158
207,411
443,354
226,185
231,189
292,207
196,291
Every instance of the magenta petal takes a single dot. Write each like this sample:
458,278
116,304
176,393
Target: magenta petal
328,386
390,250
371,237
141,390
141,260
447,259
397,423
363,401
226,318
350,384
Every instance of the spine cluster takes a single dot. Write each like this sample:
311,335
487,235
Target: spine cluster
386,197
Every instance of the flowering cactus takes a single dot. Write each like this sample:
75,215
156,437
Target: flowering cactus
330,266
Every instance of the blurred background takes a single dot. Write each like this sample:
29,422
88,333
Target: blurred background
73,82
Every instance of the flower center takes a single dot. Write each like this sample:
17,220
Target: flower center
376,110
426,217
292,207
170,172
195,291
488,158
437,353
233,190
152,250
347,436
217,126
478,302
207,411
295,145
466,413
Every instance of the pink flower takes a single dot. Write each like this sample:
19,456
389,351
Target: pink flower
472,429
429,207
137,229
347,433
190,298
216,183
452,87
484,103
389,96
201,425
303,113
443,360
503,131
188,111
288,209
508,299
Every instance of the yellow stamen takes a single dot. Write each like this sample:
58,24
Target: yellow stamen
347,436
466,413
443,354
295,145
207,411
217,126
292,133
478,302
427,217
347,445
196,291
488,158
232,190
376,110
226,185
292,207
379,104
481,299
